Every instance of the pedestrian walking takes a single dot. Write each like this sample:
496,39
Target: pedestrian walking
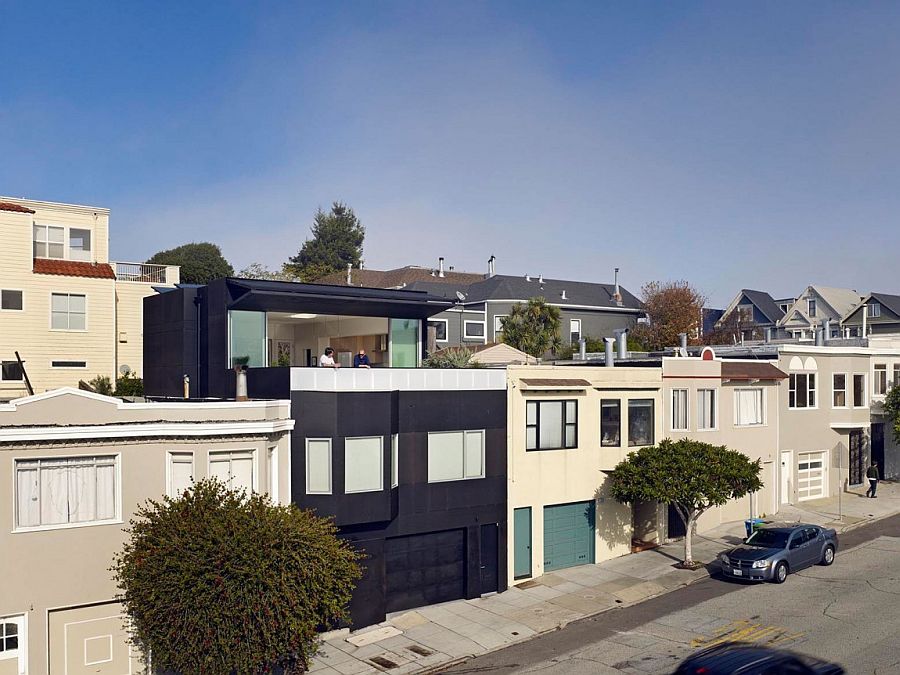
872,475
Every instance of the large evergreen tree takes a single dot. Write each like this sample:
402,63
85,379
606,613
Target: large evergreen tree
337,239
200,262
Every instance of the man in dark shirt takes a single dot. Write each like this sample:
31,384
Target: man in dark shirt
361,360
872,475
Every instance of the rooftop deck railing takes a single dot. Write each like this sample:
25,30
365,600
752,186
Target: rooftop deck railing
147,273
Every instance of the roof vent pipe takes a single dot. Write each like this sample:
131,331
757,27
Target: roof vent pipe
768,334
349,274
820,336
609,352
441,267
617,295
622,343
491,266
826,326
582,348
682,342
540,278
562,296
527,277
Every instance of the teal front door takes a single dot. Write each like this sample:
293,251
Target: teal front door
568,535
522,543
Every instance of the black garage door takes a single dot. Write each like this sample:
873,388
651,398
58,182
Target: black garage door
423,569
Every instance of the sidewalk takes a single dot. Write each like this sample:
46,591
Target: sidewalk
430,638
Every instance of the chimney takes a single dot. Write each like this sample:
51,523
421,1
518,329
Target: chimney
682,341
562,296
491,266
622,343
609,351
541,279
441,267
826,326
820,336
349,274
617,295
582,348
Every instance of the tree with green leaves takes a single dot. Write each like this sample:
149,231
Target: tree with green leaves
533,327
218,581
200,262
337,240
257,270
892,411
690,475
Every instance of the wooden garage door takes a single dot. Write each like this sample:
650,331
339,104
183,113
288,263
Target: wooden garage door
423,569
91,640
811,475
568,535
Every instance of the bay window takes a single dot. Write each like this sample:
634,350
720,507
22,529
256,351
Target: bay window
551,425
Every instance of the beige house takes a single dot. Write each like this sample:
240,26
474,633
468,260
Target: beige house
78,464
67,310
567,425
730,402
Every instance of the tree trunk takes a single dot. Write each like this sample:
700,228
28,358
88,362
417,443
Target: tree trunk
688,540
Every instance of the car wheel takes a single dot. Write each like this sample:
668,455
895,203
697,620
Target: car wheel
828,555
781,572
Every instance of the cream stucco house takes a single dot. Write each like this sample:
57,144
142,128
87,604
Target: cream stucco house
69,312
77,465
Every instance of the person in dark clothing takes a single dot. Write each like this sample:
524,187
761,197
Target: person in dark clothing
872,475
361,360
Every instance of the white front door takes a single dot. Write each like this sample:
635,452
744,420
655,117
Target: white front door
787,475
810,475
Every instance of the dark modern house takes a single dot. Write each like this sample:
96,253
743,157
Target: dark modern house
411,462
752,313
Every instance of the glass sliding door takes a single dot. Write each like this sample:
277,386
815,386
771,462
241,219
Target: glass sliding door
247,338
404,339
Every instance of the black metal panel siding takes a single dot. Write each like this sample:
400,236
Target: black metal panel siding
170,347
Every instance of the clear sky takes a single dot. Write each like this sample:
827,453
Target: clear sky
730,144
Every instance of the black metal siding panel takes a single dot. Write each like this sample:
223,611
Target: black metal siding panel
170,352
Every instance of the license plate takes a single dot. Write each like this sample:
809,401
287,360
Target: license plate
737,573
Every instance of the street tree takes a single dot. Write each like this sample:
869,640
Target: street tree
892,410
690,475
337,240
533,327
672,307
200,262
219,581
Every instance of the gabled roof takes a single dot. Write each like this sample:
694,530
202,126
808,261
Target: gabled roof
840,300
761,300
397,278
892,302
73,268
16,208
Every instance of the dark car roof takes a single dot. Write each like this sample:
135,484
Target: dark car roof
732,657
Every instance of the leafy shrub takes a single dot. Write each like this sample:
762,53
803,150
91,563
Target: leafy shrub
452,357
129,385
102,385
217,581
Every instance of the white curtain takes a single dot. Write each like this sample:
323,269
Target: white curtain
28,505
551,429
318,466
54,494
749,406
106,491
180,469
679,409
82,483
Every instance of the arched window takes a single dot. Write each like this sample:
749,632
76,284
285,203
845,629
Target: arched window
802,383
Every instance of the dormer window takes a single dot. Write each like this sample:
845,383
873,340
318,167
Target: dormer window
874,310
811,307
49,241
79,244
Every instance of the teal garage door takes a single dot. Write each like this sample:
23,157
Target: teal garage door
568,535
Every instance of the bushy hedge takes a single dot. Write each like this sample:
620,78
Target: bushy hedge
218,582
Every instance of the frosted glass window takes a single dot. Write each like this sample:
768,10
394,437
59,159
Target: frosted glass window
679,410
66,490
68,311
247,332
235,469
455,455
49,241
181,470
474,454
551,425
363,465
318,466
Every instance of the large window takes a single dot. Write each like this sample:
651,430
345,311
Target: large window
440,329
859,390
574,331
66,490
679,419
707,409
455,455
404,343
640,421
880,382
749,407
610,422
318,466
473,330
551,425
234,468
802,390
11,371
68,311
247,332
11,301
839,390
363,464
181,472
49,241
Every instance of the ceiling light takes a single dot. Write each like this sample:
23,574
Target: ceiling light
304,316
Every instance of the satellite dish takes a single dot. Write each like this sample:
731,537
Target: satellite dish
460,296
125,369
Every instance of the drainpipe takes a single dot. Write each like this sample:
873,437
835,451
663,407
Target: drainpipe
609,352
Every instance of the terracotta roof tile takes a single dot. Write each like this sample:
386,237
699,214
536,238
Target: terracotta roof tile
17,208
73,268
741,370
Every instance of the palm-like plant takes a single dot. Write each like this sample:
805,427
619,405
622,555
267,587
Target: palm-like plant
533,327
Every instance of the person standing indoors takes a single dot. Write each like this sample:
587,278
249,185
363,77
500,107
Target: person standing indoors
872,475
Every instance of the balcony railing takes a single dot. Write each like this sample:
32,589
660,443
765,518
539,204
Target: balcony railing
147,273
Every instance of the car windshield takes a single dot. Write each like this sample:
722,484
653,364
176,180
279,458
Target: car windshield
768,539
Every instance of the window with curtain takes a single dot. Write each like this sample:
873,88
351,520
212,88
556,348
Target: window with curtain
859,390
318,466
748,407
234,468
181,472
802,390
455,455
880,383
679,410
839,390
67,490
551,425
610,422
68,311
707,409
640,421
363,464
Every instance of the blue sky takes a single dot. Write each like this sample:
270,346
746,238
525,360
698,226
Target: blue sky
733,145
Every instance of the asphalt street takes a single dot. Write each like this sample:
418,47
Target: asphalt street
848,613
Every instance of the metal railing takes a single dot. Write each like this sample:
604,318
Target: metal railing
144,272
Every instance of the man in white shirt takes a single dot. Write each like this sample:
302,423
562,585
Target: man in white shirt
327,359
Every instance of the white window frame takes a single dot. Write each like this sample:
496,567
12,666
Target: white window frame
874,310
254,479
116,520
572,323
20,653
865,391
330,465
273,476
46,241
687,410
876,369
90,249
68,312
847,391
809,390
715,409
763,408
498,326
482,337
13,290
380,464
896,375
464,433
395,460
446,323
811,307
170,461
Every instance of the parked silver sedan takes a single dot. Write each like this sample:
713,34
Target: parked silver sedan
773,551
